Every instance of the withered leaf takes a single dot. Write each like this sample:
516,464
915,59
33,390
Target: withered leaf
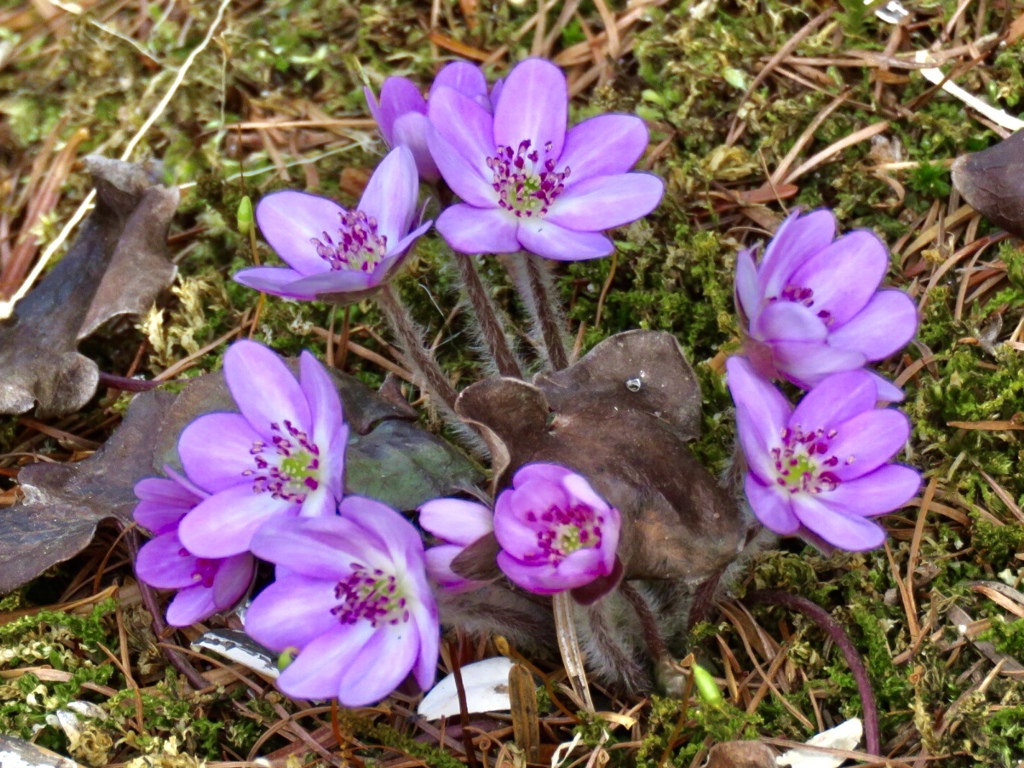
621,416
118,264
992,182
389,458
741,754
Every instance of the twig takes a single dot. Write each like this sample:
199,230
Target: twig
835,631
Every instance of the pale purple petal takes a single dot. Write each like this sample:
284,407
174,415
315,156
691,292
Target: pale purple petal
329,430
164,563
580,491
334,281
315,547
215,451
467,178
457,521
395,533
868,440
883,327
318,668
277,281
376,669
439,567
845,275
264,389
762,413
467,129
836,399
398,249
554,242
191,605
289,220
540,471
747,295
535,496
398,96
849,532
292,612
771,507
807,363
466,78
547,578
390,196
797,239
886,489
429,629
606,201
478,230
410,131
534,106
162,503
224,524
603,146
233,577
887,391
785,320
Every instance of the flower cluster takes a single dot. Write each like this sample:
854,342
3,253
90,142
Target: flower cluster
813,314
268,482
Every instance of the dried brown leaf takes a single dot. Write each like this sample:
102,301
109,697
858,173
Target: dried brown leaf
992,181
117,265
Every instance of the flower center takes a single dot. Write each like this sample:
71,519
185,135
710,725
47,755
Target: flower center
804,296
373,596
288,467
204,571
567,530
805,460
526,183
359,247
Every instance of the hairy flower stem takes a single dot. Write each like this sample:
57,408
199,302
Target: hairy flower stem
820,616
648,622
411,341
491,327
534,284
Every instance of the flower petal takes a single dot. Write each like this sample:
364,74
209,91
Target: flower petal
771,507
316,671
398,96
796,240
478,230
548,578
605,145
215,451
376,669
883,327
164,563
886,489
329,430
551,241
429,629
410,131
606,201
289,219
748,298
396,534
292,612
785,320
264,389
224,524
335,281
845,275
835,400
534,106
887,391
162,503
806,363
868,440
390,195
191,605
315,547
439,568
277,281
468,79
540,471
762,413
233,577
467,129
849,532
457,521
468,178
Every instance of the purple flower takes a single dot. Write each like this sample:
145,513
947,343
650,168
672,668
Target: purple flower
458,523
821,468
353,598
283,454
555,532
402,113
334,254
528,184
813,308
205,586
